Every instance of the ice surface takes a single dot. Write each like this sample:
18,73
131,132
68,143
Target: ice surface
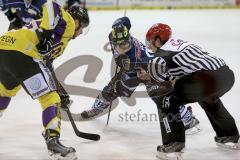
218,31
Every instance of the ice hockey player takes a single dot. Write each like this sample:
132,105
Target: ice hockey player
200,77
23,57
128,51
21,12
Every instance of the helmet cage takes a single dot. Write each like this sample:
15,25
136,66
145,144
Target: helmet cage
121,39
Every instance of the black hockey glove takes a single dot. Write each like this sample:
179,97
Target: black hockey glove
45,48
156,89
65,101
108,93
45,45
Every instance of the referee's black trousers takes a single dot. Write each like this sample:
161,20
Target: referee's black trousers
206,88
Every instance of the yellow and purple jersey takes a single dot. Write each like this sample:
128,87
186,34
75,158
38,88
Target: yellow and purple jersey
25,40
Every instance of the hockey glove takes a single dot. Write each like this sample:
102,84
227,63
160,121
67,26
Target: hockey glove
45,44
156,89
65,101
45,48
108,93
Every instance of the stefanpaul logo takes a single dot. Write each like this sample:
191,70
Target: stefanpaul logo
94,67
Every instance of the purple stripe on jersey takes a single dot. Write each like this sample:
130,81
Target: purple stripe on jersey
4,102
38,22
56,9
59,30
48,114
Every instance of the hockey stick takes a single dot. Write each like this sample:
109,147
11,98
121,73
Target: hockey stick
109,111
110,106
90,136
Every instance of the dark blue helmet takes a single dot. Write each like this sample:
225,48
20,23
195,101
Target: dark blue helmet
124,21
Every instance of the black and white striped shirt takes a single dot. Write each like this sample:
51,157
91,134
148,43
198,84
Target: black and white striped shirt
182,58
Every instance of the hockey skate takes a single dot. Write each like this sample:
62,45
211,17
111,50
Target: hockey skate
229,142
56,150
93,113
193,126
171,151
100,107
96,111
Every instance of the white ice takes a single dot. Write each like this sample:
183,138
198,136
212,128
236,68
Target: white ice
218,31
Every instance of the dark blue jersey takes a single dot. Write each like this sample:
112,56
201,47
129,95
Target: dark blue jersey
138,54
17,9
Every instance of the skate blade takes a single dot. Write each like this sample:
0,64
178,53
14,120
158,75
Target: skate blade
78,117
193,130
57,156
103,112
230,145
170,156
